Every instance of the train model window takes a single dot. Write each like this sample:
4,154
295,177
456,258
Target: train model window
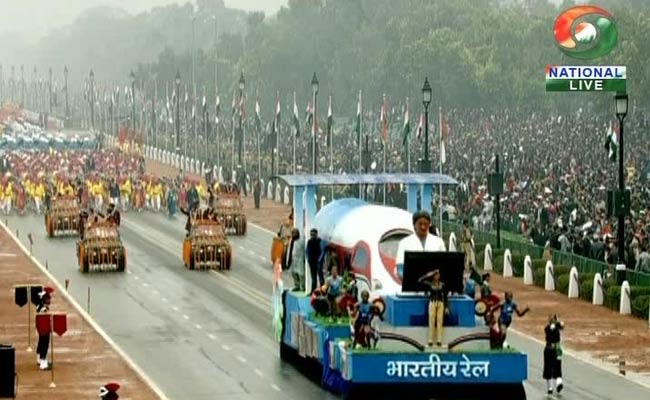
390,241
360,258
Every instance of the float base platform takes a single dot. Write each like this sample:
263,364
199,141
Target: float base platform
321,350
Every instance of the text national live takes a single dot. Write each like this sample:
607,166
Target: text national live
585,72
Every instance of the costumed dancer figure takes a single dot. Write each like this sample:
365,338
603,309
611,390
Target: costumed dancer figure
43,345
334,288
553,355
8,197
508,307
467,245
172,201
156,195
437,294
38,193
125,191
21,199
109,391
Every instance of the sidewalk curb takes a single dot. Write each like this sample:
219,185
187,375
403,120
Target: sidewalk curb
148,381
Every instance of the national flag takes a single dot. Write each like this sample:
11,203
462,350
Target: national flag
358,120
205,103
258,119
384,122
217,109
309,115
420,129
611,143
444,130
276,119
234,105
296,119
406,130
330,122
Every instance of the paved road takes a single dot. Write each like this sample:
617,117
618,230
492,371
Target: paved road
213,329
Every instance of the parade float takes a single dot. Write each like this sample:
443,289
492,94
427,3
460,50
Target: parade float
399,365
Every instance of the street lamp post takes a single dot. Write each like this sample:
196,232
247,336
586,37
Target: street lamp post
314,93
178,112
621,102
426,101
240,137
49,96
92,99
67,106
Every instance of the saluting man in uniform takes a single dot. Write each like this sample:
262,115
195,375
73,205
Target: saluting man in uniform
43,340
421,240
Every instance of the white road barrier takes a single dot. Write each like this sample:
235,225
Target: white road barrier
528,270
574,284
278,193
287,197
625,307
269,191
487,258
507,264
598,295
549,277
452,241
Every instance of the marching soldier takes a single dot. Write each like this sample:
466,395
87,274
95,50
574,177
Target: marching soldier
43,307
553,355
257,192
109,391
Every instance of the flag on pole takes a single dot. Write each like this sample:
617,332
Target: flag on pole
384,121
357,127
406,130
444,128
217,109
205,103
242,109
420,128
330,122
258,119
296,119
276,120
309,115
234,105
611,143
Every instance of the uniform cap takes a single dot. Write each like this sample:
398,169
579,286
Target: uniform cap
47,291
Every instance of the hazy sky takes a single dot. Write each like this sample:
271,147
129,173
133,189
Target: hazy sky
32,19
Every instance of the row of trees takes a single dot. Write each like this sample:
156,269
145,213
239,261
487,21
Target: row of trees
488,53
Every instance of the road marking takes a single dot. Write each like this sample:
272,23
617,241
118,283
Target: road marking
241,247
225,347
154,291
263,229
276,387
245,288
251,252
211,336
145,284
128,271
164,300
175,308
262,258
136,277
186,316
8,255
241,359
259,373
197,326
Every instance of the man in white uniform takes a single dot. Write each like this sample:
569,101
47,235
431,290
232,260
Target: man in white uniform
421,240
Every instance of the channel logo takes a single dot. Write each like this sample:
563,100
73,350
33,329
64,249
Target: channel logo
585,32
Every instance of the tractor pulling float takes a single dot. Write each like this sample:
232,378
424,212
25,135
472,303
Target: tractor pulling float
230,212
101,248
62,218
206,246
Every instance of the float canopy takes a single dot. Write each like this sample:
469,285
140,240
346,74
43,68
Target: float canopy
367,179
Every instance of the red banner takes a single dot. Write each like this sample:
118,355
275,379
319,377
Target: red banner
60,323
43,324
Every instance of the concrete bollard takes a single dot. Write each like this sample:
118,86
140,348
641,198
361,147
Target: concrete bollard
287,198
528,270
574,284
269,191
322,202
549,277
262,188
625,306
278,191
181,162
452,241
507,264
598,295
487,258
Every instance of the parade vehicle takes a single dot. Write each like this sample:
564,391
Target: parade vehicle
230,212
62,218
397,364
101,248
206,246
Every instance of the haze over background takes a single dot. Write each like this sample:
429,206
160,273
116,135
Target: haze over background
31,20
